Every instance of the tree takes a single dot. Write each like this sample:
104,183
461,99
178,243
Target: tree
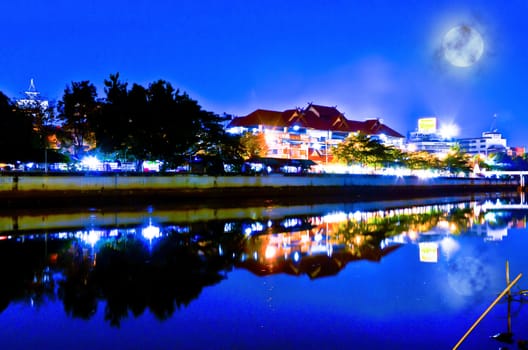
177,126
157,123
361,148
47,134
421,160
457,161
19,141
77,111
254,145
138,124
112,127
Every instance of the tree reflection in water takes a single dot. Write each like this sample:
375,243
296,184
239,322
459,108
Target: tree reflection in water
132,276
77,289
167,271
25,271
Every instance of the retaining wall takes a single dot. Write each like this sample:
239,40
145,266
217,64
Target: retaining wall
23,190
117,183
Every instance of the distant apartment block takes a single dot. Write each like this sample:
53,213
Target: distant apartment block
490,142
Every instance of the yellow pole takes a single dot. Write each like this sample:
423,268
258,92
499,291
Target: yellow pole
501,295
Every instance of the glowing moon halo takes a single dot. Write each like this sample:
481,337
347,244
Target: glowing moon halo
462,46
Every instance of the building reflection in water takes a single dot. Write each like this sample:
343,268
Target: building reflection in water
164,267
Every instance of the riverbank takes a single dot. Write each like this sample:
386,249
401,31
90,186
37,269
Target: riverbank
44,190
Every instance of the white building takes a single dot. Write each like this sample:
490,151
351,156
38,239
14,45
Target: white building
491,142
429,138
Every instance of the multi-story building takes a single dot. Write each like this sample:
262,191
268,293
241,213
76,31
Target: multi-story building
491,142
309,133
429,138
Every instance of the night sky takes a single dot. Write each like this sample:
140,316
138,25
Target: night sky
371,59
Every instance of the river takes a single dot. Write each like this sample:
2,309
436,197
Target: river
395,274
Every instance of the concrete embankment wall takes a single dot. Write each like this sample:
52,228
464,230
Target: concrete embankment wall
47,187
13,184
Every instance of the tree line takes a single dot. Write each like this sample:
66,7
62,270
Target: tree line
129,122
370,152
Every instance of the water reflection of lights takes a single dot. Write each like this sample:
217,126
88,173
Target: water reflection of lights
271,251
490,217
253,228
294,238
229,227
91,237
359,216
449,246
291,222
413,235
296,257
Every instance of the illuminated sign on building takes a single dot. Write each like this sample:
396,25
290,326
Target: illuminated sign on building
427,125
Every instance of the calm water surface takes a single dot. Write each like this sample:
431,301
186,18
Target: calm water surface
411,274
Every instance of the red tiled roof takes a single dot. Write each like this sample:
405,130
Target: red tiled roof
375,127
314,117
259,117
324,111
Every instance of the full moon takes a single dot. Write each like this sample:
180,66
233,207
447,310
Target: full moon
462,46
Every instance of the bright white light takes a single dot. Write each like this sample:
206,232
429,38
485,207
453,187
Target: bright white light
91,237
150,232
257,226
296,127
270,252
335,217
296,256
291,222
152,165
448,131
91,162
401,172
228,227
426,174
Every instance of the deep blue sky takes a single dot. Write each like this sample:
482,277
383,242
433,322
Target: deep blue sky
369,58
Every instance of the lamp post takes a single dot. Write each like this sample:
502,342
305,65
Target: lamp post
326,147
